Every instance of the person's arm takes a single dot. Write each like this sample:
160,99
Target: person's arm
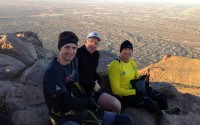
54,84
83,80
114,71
97,78
75,103
96,75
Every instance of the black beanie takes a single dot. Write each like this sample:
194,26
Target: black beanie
126,44
67,37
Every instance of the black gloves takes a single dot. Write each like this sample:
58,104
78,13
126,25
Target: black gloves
146,78
143,77
133,82
139,86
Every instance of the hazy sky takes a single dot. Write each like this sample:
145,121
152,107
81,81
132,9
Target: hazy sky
174,1
194,2
159,1
171,1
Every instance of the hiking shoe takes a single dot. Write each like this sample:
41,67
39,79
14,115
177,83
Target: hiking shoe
173,111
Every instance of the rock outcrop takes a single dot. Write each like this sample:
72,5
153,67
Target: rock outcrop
23,61
182,72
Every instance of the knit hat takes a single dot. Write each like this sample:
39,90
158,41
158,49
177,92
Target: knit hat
126,44
94,34
67,37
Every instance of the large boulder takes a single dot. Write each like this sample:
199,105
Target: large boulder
24,96
30,37
10,67
34,74
43,53
31,116
23,51
5,88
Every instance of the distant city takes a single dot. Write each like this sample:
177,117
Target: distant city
154,29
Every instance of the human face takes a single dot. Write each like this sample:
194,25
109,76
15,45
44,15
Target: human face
67,53
91,44
126,54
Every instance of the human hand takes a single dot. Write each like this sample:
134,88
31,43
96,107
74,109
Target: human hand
145,77
97,87
145,72
99,82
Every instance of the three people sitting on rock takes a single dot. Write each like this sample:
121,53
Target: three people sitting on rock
66,100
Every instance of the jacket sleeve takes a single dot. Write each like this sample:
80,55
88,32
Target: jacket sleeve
96,75
62,96
114,71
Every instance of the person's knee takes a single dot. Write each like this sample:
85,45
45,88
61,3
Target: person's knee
109,102
116,105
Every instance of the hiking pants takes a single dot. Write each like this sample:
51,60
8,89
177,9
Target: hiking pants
160,98
144,102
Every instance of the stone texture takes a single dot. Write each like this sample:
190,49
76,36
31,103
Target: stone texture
34,74
10,67
23,51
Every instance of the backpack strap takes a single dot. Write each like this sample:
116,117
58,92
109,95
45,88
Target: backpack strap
80,88
118,60
76,90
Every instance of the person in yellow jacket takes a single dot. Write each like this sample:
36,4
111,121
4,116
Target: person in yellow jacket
122,72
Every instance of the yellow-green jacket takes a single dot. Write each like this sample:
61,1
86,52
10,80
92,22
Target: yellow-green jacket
120,74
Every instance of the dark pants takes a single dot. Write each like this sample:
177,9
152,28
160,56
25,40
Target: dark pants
4,120
92,93
109,118
160,98
146,102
